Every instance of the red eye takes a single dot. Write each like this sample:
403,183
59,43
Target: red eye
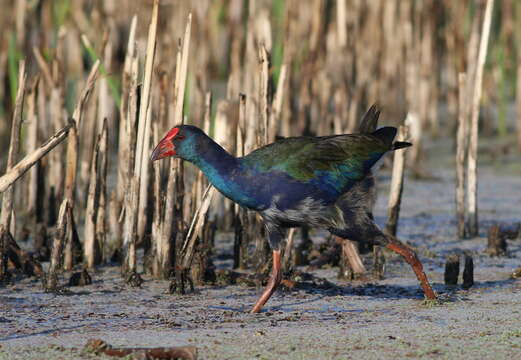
179,137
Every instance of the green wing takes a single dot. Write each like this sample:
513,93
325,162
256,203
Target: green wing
330,158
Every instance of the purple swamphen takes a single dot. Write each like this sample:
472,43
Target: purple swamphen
312,181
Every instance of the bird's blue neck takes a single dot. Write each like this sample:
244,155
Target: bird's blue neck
216,163
222,169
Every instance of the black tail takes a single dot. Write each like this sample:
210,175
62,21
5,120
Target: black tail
370,120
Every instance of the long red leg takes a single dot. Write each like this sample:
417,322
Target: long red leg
275,279
412,259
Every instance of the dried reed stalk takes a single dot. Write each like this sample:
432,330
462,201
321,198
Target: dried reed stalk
276,111
14,145
129,265
142,165
472,170
29,160
240,223
518,105
31,145
395,196
131,196
286,258
91,244
263,137
51,281
101,221
176,176
117,197
461,149
73,141
341,22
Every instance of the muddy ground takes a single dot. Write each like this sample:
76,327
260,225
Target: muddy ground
371,319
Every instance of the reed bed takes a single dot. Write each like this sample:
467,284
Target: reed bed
111,77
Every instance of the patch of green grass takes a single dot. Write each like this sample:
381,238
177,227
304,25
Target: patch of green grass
430,303
13,56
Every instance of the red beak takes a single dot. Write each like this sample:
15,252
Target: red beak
164,149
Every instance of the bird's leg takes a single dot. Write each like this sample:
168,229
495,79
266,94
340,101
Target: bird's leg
273,283
412,259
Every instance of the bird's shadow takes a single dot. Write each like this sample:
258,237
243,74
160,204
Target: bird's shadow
396,292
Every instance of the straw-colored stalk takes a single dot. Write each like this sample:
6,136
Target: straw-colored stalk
276,111
263,137
461,149
101,221
131,197
341,22
142,165
29,160
14,145
31,145
51,282
73,141
91,248
351,254
395,196
518,106
175,176
286,258
472,170
240,216
117,197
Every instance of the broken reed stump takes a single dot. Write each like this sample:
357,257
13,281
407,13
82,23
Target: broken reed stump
468,272
452,270
203,268
73,248
92,246
379,262
19,259
350,263
81,278
496,241
461,150
194,232
51,279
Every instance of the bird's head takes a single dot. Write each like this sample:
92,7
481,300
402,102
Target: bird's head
181,141
167,146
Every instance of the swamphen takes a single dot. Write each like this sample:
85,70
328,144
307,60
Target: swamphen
313,181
